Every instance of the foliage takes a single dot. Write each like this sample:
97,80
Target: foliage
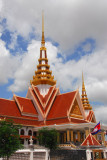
9,138
48,138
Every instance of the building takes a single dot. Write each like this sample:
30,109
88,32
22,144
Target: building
45,106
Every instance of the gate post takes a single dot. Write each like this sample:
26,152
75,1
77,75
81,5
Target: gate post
31,155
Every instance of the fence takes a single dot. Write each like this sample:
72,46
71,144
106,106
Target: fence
27,154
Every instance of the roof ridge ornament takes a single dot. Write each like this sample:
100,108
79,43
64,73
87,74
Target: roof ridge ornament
43,37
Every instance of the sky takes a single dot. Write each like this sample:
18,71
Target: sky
76,42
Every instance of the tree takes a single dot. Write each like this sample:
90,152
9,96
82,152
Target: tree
9,138
48,138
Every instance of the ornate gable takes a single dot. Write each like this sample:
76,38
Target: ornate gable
42,104
44,99
75,111
90,141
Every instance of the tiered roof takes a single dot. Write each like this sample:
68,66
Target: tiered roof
54,108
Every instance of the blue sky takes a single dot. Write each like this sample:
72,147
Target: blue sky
76,38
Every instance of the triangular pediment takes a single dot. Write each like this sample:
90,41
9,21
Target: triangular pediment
44,99
42,104
76,109
90,141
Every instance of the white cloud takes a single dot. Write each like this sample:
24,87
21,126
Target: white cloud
8,63
13,43
101,114
66,22
1,5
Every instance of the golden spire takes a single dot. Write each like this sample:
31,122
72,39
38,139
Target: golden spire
43,37
43,75
83,86
84,98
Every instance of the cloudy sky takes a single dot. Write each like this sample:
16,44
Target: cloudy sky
76,41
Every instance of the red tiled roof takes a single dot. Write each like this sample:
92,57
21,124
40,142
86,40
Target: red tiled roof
22,121
61,105
90,141
27,105
9,109
57,121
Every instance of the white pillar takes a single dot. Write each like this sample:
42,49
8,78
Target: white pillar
26,143
105,154
88,154
31,155
47,155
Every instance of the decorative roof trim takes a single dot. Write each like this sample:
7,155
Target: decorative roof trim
29,114
36,103
68,112
81,106
49,107
18,104
43,104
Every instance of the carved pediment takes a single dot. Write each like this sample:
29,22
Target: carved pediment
75,111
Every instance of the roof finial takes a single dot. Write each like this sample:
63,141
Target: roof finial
83,86
43,38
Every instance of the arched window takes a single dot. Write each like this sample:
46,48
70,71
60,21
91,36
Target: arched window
30,133
34,133
22,132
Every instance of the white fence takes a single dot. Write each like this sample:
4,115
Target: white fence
27,154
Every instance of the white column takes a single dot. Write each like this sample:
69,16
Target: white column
47,155
31,155
105,154
88,154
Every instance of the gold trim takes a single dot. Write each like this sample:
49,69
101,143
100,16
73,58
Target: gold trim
45,59
41,65
43,81
40,70
76,116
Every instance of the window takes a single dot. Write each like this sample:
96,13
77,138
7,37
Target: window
22,141
34,134
22,132
30,133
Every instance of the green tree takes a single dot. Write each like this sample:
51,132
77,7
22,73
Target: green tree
9,138
48,137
